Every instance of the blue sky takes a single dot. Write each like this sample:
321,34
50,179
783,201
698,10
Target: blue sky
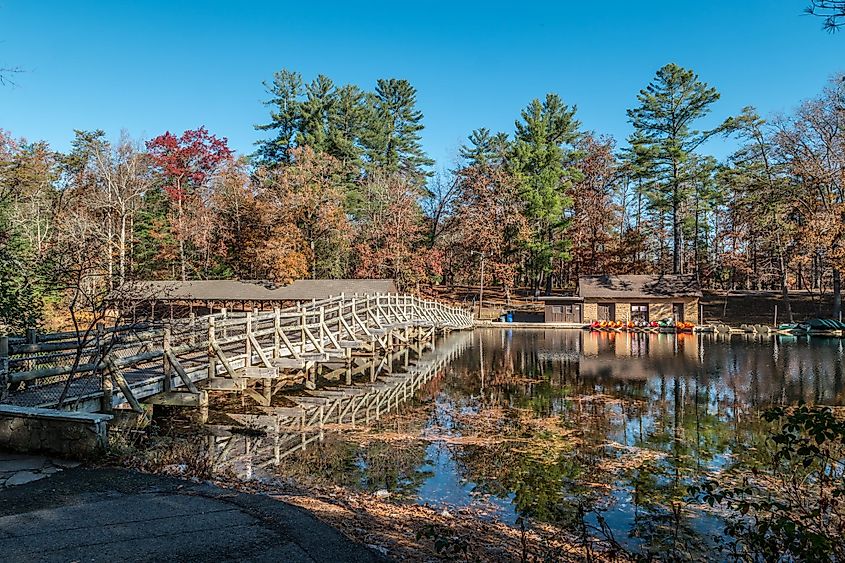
153,66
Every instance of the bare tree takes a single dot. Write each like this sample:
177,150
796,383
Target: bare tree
123,175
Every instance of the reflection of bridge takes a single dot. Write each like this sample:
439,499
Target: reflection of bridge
254,353
282,431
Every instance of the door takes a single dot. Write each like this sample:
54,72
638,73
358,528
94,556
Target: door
606,312
678,312
572,314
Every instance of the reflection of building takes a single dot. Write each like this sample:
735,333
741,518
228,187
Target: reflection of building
627,298
637,355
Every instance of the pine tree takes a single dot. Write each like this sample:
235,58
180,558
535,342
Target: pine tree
485,148
540,160
347,121
663,139
320,97
285,117
393,138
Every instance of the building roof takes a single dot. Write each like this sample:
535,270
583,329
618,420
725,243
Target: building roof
302,290
234,290
660,286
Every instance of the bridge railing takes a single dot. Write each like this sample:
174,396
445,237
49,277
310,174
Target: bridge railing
65,367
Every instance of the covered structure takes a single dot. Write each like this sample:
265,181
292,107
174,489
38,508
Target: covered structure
627,298
156,299
562,309
640,298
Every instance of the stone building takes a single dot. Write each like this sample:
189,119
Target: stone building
640,298
628,297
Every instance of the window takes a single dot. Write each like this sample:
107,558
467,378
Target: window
639,312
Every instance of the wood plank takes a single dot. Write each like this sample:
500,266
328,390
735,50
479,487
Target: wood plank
177,399
225,384
253,372
288,363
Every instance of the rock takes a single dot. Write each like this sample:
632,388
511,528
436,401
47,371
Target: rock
65,463
380,548
19,463
24,477
382,493
446,513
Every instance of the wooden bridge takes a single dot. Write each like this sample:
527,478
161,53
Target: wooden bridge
256,353
282,431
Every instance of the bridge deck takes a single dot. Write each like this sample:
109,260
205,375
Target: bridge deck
332,330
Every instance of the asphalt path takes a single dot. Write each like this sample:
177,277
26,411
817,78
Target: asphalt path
84,515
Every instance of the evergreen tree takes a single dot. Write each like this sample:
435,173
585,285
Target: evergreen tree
485,148
393,138
320,97
285,117
664,140
540,159
348,119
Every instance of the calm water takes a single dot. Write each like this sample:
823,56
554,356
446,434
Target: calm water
561,425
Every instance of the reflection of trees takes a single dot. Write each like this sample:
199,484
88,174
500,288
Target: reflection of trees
369,466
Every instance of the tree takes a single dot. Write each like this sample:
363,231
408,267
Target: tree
185,165
489,221
27,203
812,146
320,98
308,196
593,216
393,140
259,242
832,12
539,159
285,116
122,178
664,140
348,118
392,233
485,148
761,200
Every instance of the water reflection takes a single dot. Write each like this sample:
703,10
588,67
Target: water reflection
652,411
573,427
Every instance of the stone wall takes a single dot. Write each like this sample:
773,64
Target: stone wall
659,311
623,312
691,310
65,433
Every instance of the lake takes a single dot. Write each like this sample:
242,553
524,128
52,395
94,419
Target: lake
574,428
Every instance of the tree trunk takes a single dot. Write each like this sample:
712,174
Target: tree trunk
837,294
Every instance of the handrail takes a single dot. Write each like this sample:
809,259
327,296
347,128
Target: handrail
315,325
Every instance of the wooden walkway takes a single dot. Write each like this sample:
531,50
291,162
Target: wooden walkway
179,361
282,431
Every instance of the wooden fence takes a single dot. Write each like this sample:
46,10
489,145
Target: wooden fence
122,366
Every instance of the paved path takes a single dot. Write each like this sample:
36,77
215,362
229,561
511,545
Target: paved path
118,515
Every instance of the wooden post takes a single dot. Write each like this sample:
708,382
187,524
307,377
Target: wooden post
322,325
277,329
106,397
168,367
302,319
225,314
4,366
212,338
247,341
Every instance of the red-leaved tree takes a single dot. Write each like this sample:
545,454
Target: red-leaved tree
186,164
